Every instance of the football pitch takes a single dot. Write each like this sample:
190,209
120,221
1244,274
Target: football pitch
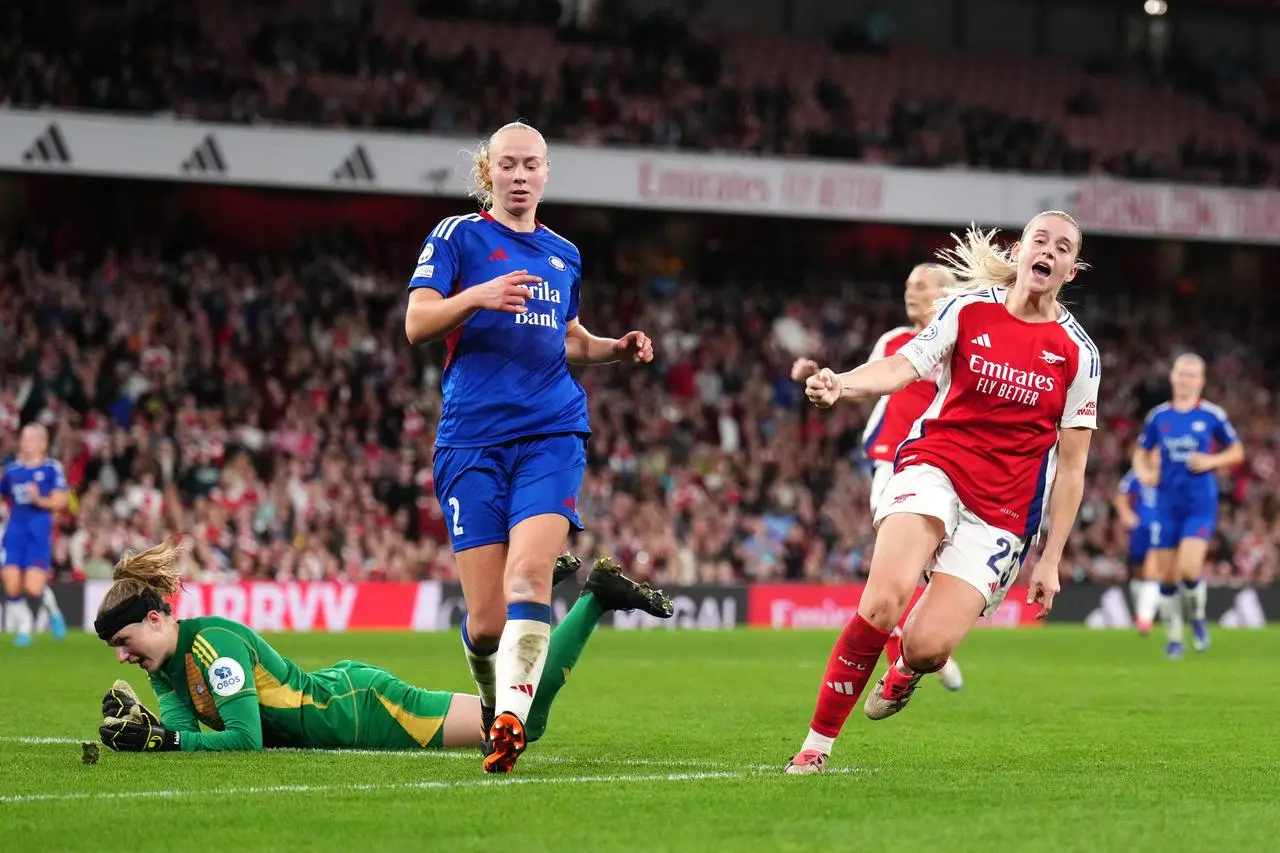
1062,739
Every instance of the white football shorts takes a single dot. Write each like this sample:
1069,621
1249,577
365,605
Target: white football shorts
985,557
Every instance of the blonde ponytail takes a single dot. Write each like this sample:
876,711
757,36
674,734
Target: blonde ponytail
977,262
154,570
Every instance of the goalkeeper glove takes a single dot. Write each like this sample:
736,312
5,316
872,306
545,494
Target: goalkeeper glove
121,702
137,735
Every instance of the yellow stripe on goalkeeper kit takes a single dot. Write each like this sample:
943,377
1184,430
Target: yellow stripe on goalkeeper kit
201,648
421,729
273,694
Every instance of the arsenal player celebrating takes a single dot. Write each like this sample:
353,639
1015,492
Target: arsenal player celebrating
1008,430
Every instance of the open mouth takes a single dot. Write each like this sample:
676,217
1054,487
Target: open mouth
1042,269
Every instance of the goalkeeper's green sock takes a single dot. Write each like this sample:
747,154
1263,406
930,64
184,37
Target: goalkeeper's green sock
567,642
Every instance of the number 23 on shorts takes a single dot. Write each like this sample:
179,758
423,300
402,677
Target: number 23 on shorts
1005,552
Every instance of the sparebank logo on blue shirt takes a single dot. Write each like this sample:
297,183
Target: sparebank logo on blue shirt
542,292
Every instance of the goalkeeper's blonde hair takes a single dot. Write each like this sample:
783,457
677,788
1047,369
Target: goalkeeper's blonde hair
977,261
155,569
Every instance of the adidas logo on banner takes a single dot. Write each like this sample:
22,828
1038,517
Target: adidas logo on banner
50,147
206,158
1112,611
357,167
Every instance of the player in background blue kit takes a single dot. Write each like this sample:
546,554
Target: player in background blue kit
1135,505
34,487
501,289
1176,453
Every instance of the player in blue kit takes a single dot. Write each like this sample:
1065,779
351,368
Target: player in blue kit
501,289
1176,453
1135,505
34,487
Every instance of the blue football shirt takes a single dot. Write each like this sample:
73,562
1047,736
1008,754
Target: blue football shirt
21,485
1141,498
1178,435
506,376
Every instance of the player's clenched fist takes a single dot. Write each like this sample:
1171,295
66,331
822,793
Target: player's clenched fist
636,347
823,388
508,292
802,369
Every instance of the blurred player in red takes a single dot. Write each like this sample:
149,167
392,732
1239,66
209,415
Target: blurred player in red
894,414
1007,433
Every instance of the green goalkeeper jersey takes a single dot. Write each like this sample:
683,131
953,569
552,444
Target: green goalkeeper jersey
227,677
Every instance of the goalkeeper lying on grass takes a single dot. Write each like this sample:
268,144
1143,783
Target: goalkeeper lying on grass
218,672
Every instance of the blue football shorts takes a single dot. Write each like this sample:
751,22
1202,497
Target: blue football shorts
486,491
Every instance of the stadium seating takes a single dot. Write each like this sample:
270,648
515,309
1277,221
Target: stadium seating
676,86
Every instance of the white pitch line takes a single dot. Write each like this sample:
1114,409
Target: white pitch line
431,754
363,787
11,739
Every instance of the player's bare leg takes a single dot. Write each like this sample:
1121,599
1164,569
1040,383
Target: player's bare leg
480,572
1170,601
522,652
941,619
905,543
1192,553
949,676
40,594
17,614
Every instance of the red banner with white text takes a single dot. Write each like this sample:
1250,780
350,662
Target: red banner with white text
783,606
313,606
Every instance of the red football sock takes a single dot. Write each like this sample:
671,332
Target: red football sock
851,663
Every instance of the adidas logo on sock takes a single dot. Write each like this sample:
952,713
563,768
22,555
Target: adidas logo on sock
206,158
844,688
48,149
526,689
356,168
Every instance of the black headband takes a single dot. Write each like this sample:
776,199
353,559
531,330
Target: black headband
131,610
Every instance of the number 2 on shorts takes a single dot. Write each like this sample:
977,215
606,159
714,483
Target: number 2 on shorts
457,508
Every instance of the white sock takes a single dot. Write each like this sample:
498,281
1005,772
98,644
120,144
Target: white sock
19,616
522,653
822,743
1135,592
1171,612
483,667
50,602
1148,601
1196,595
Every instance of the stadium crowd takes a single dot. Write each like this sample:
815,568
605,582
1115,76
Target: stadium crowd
268,408
661,79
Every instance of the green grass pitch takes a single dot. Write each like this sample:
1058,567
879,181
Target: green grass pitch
1063,739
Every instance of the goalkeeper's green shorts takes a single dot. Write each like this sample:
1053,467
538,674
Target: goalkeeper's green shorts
378,710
